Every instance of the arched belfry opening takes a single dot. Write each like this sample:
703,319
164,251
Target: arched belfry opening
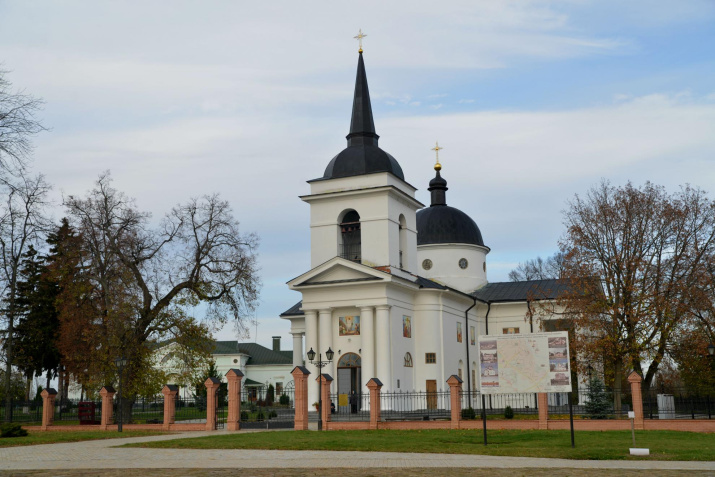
349,379
349,246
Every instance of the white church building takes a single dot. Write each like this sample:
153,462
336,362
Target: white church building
397,289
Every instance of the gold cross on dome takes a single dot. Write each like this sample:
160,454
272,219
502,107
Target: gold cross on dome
436,150
359,38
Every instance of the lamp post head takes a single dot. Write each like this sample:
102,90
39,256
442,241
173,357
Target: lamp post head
711,349
311,355
329,354
121,362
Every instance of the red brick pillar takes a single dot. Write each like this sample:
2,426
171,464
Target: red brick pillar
234,377
169,391
455,398
543,405
325,398
374,385
107,394
300,400
212,385
637,396
48,407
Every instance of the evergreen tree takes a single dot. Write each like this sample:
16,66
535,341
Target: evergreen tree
599,403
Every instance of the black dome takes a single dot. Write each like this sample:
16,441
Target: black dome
358,160
445,224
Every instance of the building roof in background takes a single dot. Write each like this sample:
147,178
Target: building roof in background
530,290
258,354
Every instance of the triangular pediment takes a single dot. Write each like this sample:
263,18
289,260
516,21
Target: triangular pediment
338,271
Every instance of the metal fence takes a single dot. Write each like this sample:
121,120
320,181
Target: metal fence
23,411
677,404
268,412
346,407
415,406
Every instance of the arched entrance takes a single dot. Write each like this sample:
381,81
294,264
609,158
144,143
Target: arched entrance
348,381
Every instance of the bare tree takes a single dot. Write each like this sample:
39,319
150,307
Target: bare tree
136,285
22,221
18,123
539,269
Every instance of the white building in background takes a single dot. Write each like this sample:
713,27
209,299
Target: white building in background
261,366
397,290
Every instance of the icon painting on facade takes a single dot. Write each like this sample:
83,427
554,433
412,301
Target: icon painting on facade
349,325
406,326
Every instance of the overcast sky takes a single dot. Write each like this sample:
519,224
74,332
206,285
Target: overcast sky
532,101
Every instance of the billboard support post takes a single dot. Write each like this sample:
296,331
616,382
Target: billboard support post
484,419
571,418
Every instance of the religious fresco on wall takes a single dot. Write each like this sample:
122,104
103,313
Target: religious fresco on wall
406,326
459,332
472,335
349,325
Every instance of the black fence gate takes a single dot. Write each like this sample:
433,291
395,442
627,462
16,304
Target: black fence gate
263,409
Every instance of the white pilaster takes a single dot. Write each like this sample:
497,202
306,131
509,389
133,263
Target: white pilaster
382,347
367,338
311,341
297,349
325,322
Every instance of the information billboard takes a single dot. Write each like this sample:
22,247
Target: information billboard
536,362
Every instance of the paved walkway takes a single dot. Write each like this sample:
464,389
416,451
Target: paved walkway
102,454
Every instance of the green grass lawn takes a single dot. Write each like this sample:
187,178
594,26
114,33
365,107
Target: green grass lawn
50,437
607,445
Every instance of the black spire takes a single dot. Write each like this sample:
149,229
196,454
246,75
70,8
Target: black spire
362,127
438,189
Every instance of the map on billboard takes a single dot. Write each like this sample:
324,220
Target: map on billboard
528,363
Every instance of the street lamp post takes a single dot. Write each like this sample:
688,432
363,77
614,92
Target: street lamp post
711,350
320,364
121,362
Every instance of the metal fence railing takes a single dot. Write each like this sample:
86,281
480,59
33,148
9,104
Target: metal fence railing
415,405
355,407
29,412
677,404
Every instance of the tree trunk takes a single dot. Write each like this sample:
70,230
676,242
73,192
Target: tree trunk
617,379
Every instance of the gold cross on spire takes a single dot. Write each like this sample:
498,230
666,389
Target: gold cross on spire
436,149
359,38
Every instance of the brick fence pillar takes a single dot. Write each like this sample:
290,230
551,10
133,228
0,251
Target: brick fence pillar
107,394
543,405
300,400
455,398
170,392
212,385
637,396
48,407
234,377
374,385
325,398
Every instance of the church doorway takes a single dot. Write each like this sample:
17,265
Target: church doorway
349,383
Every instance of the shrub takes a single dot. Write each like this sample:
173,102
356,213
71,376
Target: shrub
244,415
508,413
284,399
12,430
469,413
260,416
272,414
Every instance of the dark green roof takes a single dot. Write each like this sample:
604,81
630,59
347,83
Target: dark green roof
257,354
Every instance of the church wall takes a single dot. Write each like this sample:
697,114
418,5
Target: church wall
445,265
427,334
402,304
454,351
510,315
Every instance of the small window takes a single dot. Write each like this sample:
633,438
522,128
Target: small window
430,358
279,389
426,263
510,331
463,263
408,360
459,373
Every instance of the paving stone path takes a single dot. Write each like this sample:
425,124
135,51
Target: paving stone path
89,457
